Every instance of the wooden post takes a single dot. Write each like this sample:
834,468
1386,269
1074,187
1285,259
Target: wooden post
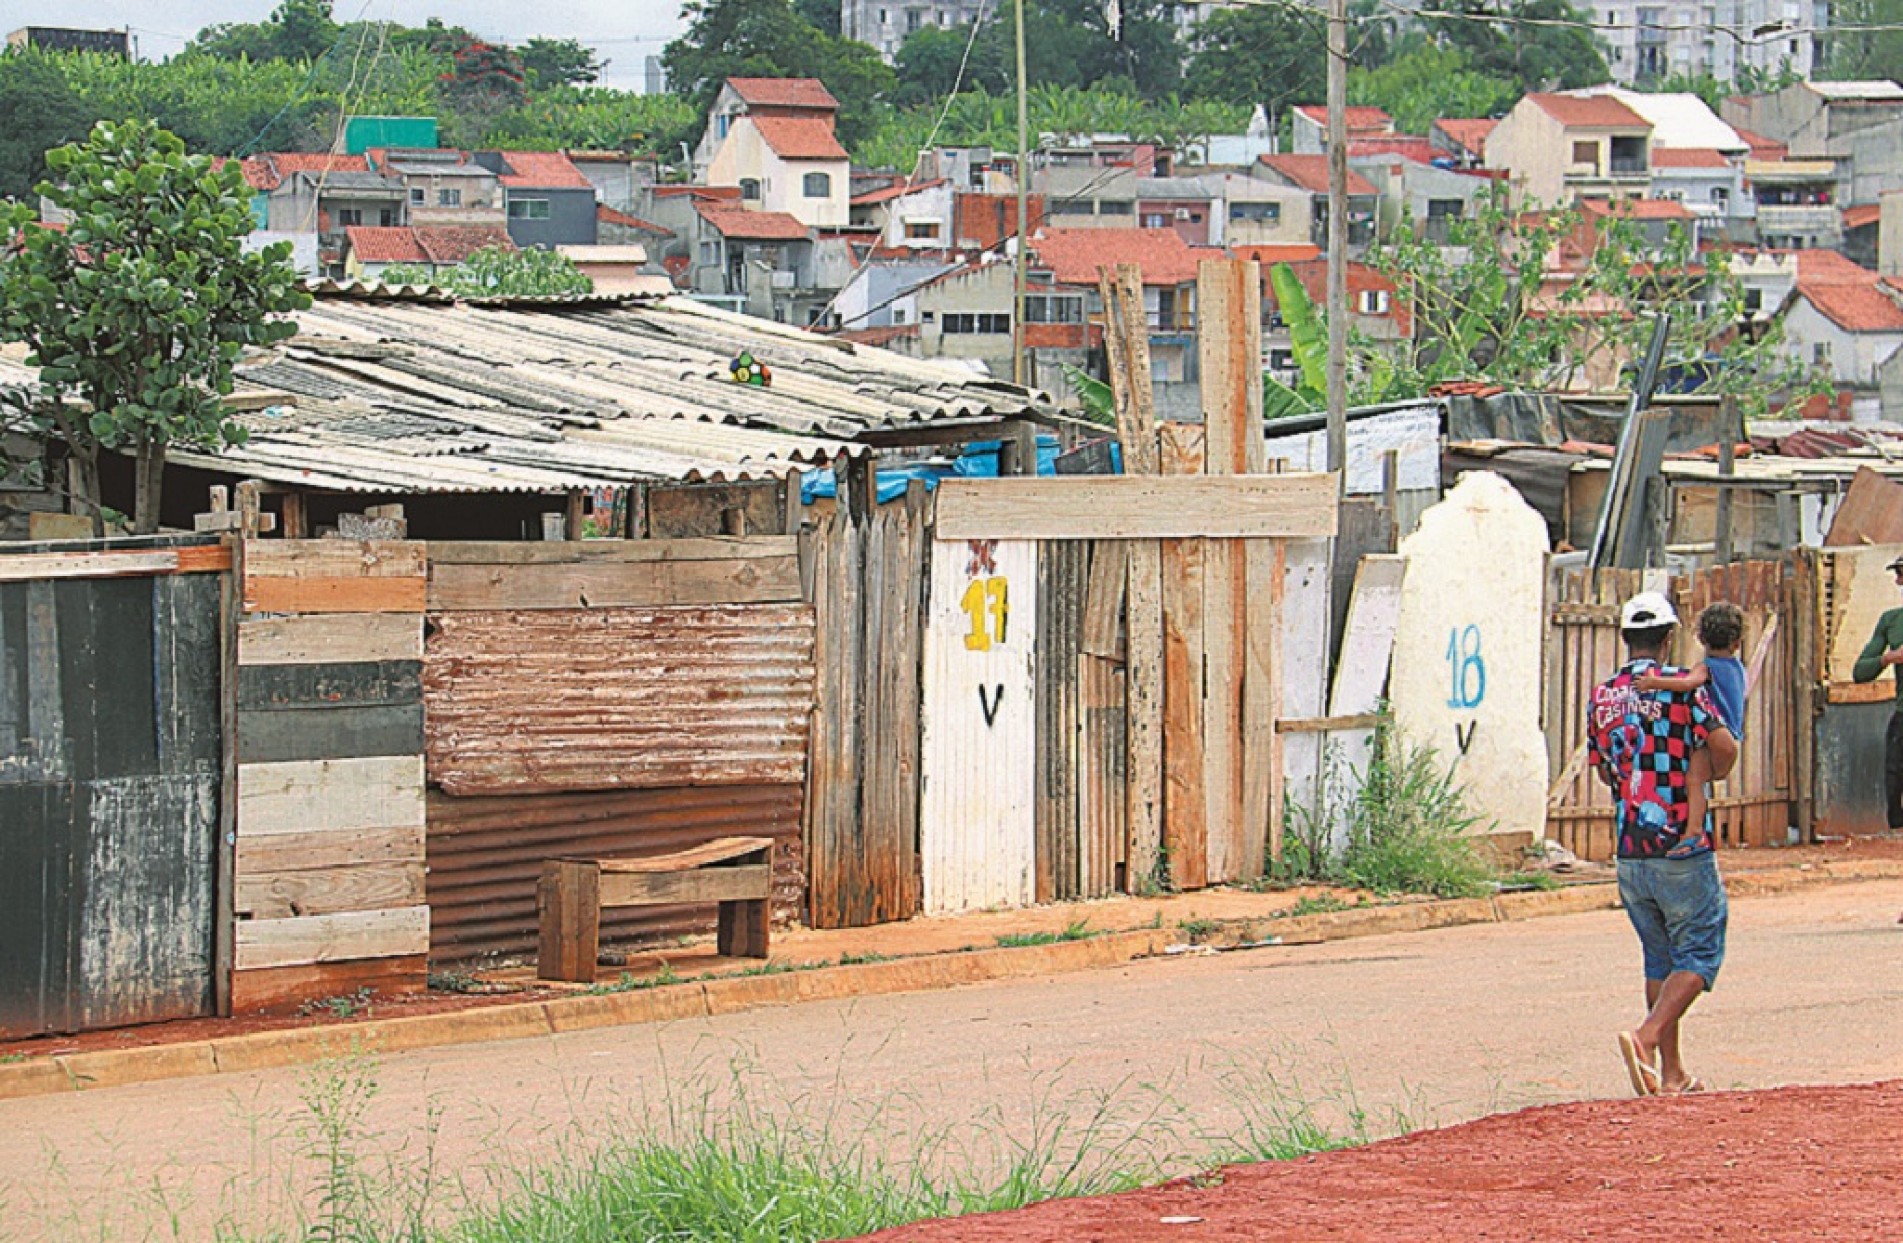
572,517
1018,454
296,522
569,902
249,513
1727,464
733,521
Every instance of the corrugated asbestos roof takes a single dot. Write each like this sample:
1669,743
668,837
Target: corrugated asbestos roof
398,394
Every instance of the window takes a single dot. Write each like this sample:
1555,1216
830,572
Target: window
818,185
347,216
1753,301
528,209
1445,209
722,124
1586,153
883,18
386,217
1820,354
1155,220
961,324
416,195
914,18
1053,309
1115,207
1264,213
1721,196
449,198
750,189
1374,302
1281,360
710,253
921,230
898,316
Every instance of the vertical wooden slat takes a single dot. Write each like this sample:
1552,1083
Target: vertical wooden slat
1264,567
1143,700
1225,587
1102,721
1060,601
1185,825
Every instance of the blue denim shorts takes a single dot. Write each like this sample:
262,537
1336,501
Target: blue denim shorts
1678,908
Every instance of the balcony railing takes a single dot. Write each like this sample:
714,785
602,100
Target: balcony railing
1798,218
1171,321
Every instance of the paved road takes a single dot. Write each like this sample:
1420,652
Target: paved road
1417,1029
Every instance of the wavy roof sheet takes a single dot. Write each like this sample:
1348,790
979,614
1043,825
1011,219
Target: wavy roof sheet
403,395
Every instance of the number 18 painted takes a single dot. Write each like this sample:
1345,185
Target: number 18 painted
1466,671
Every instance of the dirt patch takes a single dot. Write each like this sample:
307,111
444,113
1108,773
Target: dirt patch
1790,1163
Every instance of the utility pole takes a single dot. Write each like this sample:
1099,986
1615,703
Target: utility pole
1337,240
1019,368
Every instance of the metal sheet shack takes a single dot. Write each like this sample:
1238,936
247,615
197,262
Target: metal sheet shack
419,678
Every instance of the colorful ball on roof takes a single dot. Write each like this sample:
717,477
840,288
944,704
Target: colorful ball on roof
746,369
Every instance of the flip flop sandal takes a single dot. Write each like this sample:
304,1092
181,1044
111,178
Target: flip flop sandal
1691,1086
1644,1075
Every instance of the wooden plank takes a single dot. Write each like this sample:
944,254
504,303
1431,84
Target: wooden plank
1185,810
324,733
335,595
328,849
353,684
610,551
568,904
742,929
285,990
1265,563
1367,645
1871,512
208,559
1060,601
31,566
1103,603
720,850
1143,689
1127,343
1878,692
225,865
721,884
603,584
333,558
330,638
1100,791
364,887
1229,344
1225,644
1138,507
332,938
311,796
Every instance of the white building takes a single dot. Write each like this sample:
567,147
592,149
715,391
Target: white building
772,138
1648,40
886,23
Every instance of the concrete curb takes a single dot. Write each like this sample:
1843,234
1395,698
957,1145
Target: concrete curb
730,994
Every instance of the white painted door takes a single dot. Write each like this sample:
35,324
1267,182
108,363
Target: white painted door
980,726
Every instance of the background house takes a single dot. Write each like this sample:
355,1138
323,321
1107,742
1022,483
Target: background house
545,198
773,140
1556,148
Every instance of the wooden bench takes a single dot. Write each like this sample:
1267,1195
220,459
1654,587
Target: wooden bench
736,872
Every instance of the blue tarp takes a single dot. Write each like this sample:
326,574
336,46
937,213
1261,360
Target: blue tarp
978,461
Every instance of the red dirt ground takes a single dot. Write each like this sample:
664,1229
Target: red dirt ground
1784,1164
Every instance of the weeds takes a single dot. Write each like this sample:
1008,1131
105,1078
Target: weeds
1197,929
1077,930
1316,904
1529,880
628,982
346,1005
870,956
1402,828
12,1059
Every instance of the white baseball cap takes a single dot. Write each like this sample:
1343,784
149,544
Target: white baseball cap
1647,611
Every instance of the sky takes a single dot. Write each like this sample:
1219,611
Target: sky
622,32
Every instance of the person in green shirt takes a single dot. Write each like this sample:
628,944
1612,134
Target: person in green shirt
1885,648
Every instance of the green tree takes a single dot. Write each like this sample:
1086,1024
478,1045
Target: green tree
559,62
1268,55
485,81
137,312
1428,82
1854,52
929,61
297,30
766,38
38,109
821,15
496,272
1539,45
1484,305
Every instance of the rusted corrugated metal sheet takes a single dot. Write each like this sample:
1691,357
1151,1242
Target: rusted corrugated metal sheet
486,853
600,699
980,726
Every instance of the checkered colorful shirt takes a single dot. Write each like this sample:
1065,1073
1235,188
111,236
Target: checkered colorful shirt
1643,741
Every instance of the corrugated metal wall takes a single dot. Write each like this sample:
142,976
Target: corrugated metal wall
486,853
110,771
618,698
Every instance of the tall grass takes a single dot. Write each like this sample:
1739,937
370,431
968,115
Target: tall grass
1403,828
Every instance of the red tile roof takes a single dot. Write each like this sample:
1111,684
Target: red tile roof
1469,132
269,171
1637,209
1763,148
1299,253
542,170
800,138
898,191
1588,111
784,93
1405,146
1853,307
605,214
708,193
1360,118
1830,267
1072,256
433,244
1862,215
752,226
1688,157
878,336
1310,172
379,245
